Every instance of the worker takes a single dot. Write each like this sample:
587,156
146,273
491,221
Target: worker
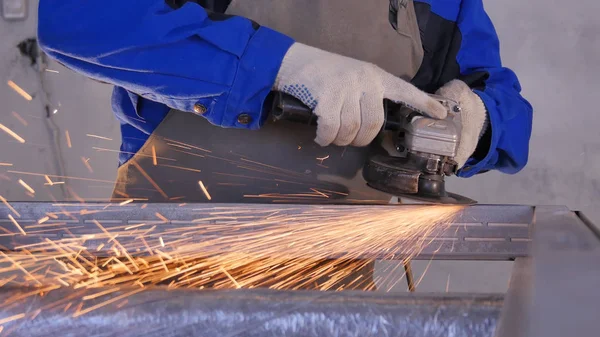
192,77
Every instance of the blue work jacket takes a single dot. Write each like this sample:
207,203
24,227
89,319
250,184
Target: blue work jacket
162,55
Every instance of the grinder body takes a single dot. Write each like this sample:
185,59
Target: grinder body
412,154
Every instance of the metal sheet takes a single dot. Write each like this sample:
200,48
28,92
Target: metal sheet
566,274
257,313
478,232
517,302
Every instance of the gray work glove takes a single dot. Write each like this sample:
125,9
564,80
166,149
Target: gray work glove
347,94
473,114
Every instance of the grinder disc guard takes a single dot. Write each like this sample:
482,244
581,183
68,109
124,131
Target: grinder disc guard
396,176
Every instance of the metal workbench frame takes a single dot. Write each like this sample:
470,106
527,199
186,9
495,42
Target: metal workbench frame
552,290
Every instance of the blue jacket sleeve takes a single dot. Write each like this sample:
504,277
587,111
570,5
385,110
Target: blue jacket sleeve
177,57
510,115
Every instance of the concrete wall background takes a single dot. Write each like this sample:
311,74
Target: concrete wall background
553,46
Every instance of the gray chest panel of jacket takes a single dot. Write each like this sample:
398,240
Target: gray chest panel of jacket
355,28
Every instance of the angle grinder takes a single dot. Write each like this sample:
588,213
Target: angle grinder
412,154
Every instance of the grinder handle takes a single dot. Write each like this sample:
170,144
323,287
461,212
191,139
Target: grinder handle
289,108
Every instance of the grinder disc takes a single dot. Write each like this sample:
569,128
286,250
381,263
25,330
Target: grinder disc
398,177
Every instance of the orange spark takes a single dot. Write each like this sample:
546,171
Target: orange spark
19,90
150,180
55,183
35,314
182,168
162,243
204,190
237,285
319,192
100,294
16,224
160,216
9,206
57,176
154,160
19,118
51,71
18,265
27,187
68,139
48,180
144,206
12,318
122,304
99,137
100,149
323,159
180,146
112,300
67,306
12,133
86,162
6,164
100,246
44,219
126,202
135,226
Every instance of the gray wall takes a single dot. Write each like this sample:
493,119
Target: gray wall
83,107
554,48
552,45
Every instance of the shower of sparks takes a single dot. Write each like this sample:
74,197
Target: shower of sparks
19,90
289,247
204,190
12,133
99,137
68,139
27,187
19,118
16,224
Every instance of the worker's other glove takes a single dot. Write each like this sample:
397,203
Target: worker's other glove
473,114
347,94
